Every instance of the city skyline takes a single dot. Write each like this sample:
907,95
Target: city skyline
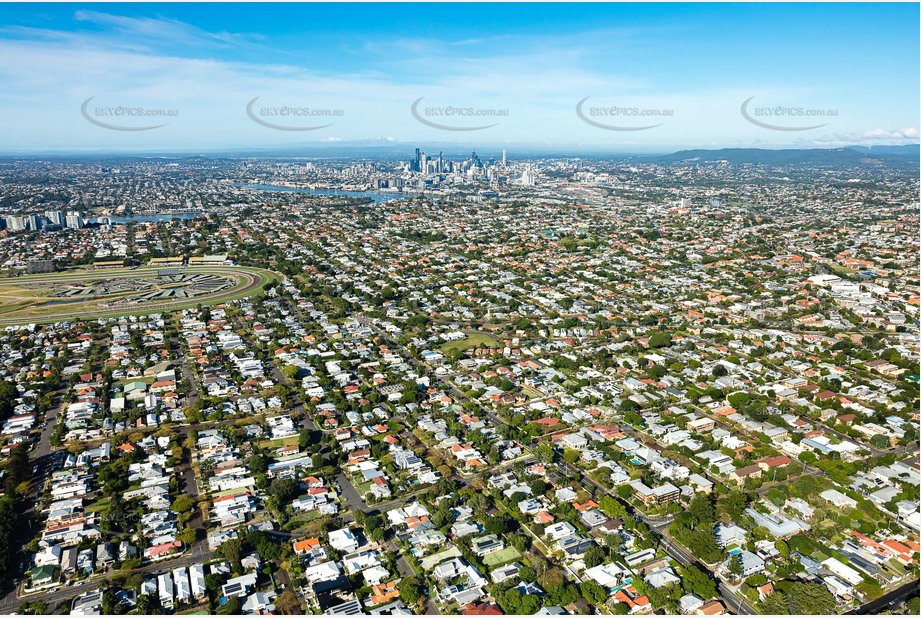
540,78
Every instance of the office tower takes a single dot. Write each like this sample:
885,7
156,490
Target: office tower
440,163
424,163
503,157
417,161
33,222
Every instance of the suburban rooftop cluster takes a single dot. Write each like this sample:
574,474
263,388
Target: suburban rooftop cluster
548,386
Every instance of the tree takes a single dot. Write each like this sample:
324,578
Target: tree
183,503
782,548
738,400
733,504
8,396
110,606
497,524
8,544
284,489
800,598
258,465
701,508
540,487
659,340
545,452
288,603
594,556
696,581
735,566
410,591
290,371
186,536
230,550
612,507
880,441
593,593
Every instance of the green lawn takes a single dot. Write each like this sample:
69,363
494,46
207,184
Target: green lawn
840,270
144,379
501,557
99,506
531,393
473,340
279,442
363,488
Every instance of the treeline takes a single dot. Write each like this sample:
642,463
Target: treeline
15,482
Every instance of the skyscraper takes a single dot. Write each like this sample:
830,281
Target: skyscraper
503,157
16,223
74,219
55,217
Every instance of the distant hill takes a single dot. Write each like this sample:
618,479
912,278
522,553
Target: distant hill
897,156
905,149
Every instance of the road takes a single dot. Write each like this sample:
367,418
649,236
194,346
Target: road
199,553
733,601
431,609
660,526
888,601
657,524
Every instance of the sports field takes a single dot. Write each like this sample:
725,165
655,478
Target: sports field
89,294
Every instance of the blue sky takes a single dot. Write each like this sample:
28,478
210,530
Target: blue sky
691,66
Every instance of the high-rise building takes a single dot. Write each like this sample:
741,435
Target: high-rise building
417,162
74,220
16,223
33,222
503,157
55,217
528,178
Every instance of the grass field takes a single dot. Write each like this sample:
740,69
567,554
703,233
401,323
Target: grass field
279,442
501,557
531,393
473,340
29,298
